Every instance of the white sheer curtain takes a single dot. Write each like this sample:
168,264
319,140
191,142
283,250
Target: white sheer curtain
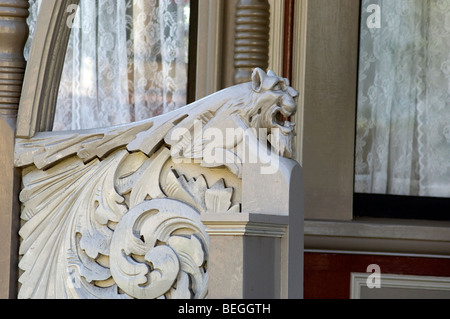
403,121
126,61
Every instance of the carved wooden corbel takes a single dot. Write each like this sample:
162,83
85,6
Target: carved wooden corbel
251,38
116,212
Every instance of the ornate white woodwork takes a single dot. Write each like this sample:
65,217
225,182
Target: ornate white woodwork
116,212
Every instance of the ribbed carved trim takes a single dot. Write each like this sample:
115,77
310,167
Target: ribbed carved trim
14,8
13,35
251,38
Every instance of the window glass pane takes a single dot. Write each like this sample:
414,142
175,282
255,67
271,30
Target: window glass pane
126,61
31,21
403,121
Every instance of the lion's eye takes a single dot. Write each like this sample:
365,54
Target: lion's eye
279,87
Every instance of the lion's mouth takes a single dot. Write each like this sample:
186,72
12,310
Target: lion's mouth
281,120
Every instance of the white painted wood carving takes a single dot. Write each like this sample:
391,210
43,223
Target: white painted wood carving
115,212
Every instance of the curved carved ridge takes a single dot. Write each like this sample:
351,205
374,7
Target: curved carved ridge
115,212
167,235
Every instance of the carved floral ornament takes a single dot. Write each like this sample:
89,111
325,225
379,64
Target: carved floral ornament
115,212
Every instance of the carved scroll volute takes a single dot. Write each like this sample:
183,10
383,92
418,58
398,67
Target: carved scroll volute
251,38
13,35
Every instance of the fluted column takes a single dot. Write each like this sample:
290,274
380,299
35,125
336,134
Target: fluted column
251,38
13,35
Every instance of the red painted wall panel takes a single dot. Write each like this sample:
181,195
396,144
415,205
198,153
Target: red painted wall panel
327,276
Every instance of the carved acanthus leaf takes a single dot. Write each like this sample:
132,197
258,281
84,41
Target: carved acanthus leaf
147,186
196,193
81,218
68,213
218,199
48,148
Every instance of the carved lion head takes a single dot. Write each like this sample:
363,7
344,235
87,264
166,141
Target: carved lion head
264,105
271,106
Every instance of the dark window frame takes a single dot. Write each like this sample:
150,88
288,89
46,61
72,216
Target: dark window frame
192,54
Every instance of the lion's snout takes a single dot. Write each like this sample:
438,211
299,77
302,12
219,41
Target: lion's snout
288,104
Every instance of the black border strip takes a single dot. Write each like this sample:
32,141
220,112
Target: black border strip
401,207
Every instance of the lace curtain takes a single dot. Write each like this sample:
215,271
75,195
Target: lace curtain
403,118
126,61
